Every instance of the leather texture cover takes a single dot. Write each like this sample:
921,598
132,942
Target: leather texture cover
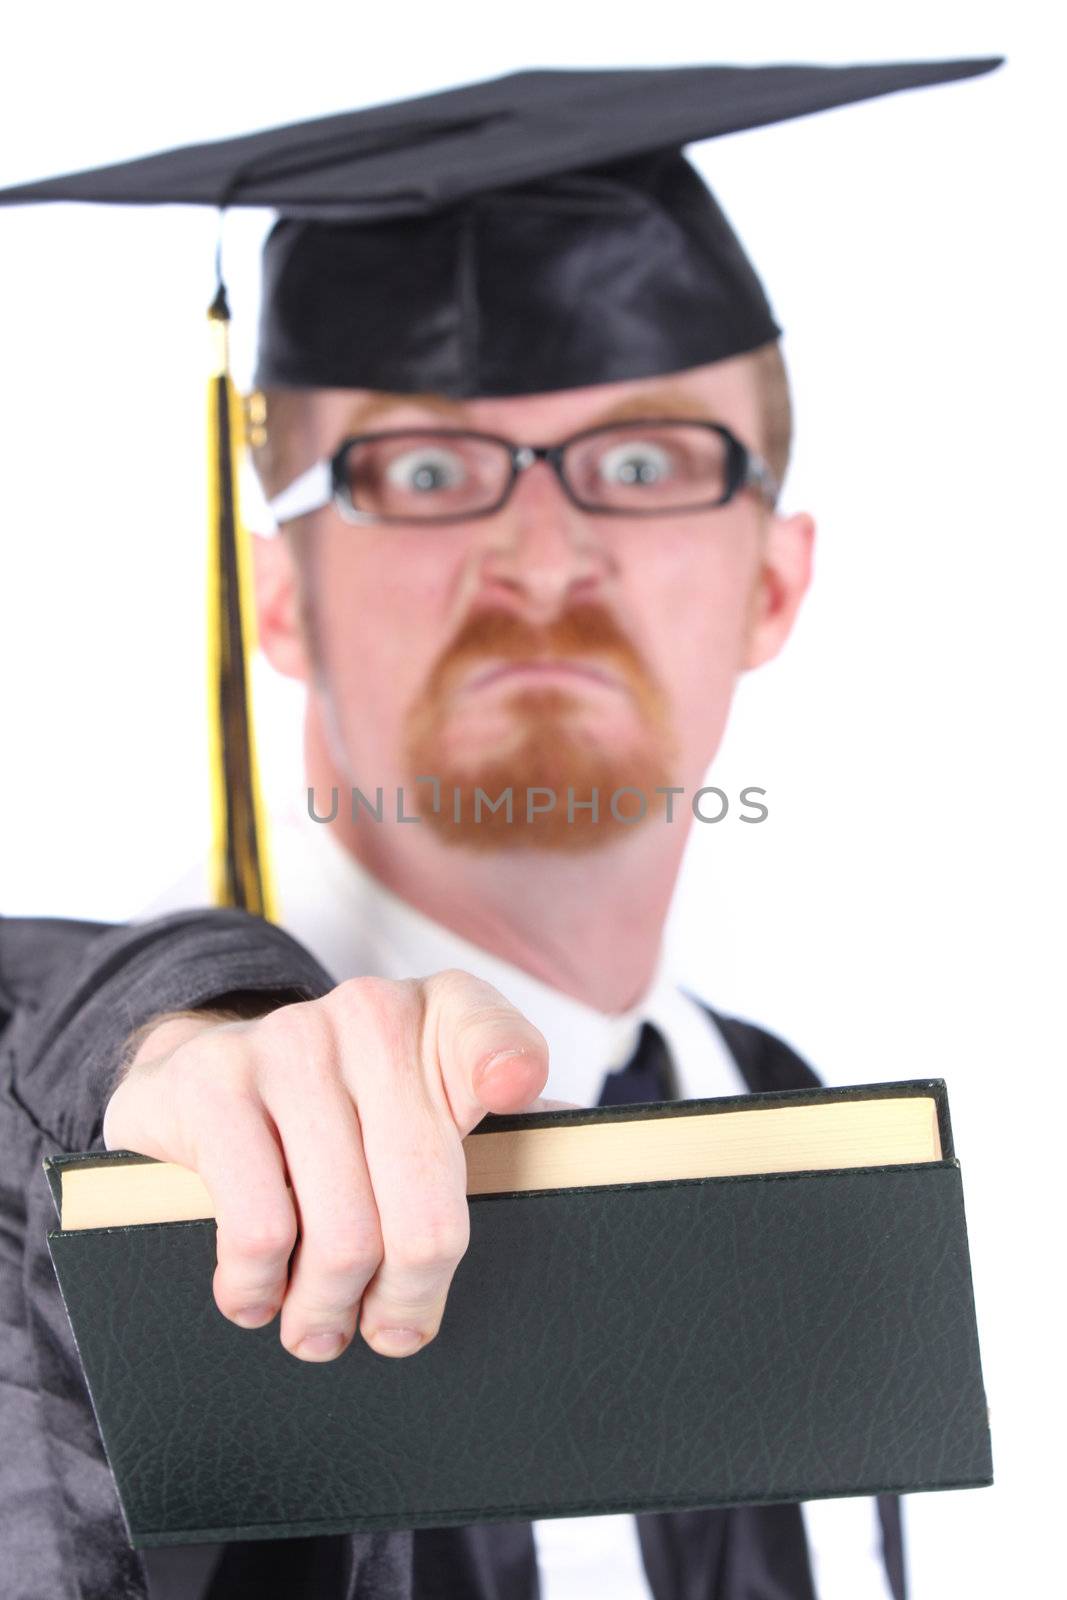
651,1347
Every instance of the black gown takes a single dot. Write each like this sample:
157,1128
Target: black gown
70,995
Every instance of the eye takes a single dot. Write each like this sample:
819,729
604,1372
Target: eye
634,464
426,470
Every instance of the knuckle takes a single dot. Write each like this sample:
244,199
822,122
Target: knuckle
261,1240
452,987
435,1245
372,999
449,978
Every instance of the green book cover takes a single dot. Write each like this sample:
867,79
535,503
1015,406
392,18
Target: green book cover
625,1347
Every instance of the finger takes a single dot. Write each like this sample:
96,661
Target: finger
239,1159
489,1056
417,1170
420,1188
340,1244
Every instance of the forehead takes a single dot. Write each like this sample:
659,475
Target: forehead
725,391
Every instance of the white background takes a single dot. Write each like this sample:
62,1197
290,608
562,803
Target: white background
899,913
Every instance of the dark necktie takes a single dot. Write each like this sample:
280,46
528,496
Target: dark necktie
646,1076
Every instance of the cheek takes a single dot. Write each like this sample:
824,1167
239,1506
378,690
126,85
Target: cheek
380,612
689,595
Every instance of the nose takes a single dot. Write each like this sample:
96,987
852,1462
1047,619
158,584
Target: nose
543,554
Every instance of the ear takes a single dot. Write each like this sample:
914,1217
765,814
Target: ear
279,613
780,585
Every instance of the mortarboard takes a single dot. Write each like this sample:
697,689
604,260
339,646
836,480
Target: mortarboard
535,232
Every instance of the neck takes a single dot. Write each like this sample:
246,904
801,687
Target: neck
588,923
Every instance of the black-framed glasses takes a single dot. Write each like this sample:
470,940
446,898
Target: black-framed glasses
648,467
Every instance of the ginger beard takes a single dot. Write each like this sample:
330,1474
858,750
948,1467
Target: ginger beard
598,723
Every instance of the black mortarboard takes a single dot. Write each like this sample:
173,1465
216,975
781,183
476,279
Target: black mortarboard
540,231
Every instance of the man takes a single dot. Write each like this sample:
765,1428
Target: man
529,542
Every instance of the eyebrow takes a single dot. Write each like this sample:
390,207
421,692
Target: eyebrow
661,403
673,403
379,405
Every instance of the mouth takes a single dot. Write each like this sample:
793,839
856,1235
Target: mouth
545,672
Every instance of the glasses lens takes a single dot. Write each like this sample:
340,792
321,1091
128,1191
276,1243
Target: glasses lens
649,466
423,475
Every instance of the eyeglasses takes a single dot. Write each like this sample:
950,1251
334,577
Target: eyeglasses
440,475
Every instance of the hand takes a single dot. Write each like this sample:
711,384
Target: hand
363,1098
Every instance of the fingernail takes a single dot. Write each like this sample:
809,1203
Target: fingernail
320,1346
396,1341
254,1316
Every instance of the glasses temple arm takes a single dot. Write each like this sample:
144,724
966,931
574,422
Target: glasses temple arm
310,492
758,475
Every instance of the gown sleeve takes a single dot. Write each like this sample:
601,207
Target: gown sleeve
70,995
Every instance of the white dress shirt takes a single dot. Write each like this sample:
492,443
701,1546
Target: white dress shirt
356,927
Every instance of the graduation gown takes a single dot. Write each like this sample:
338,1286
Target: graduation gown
70,995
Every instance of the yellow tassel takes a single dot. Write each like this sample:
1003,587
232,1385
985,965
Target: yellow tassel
241,874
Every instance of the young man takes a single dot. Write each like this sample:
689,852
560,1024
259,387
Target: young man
524,450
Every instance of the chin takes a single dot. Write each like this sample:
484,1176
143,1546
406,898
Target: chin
554,788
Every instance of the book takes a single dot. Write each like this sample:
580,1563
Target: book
699,1303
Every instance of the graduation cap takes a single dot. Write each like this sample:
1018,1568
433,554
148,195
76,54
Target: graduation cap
539,231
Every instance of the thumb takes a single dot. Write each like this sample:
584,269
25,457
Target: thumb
490,1056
